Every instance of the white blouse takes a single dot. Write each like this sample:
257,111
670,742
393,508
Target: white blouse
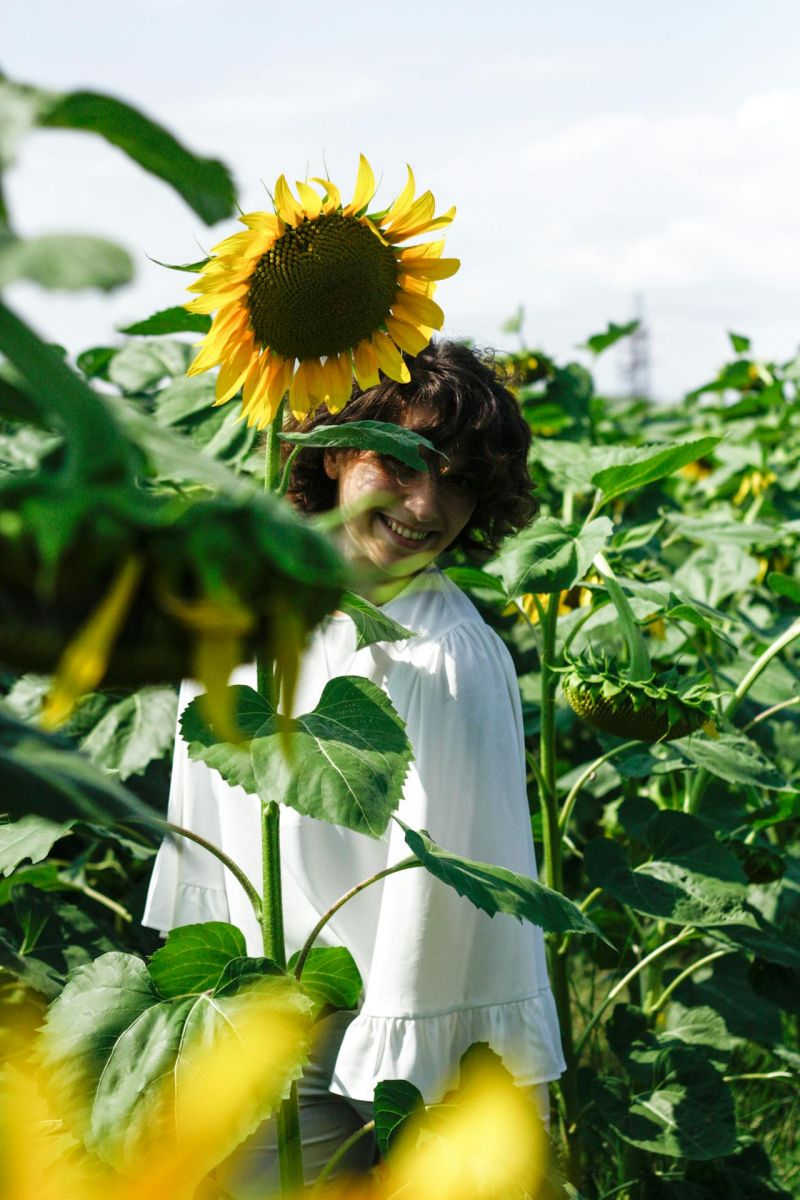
439,974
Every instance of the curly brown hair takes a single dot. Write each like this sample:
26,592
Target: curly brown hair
473,412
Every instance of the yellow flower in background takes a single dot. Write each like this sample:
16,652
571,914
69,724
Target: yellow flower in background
317,291
754,483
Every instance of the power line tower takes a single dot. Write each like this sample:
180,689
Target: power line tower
636,370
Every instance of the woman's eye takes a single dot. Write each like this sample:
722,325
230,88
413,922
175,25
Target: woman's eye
459,483
400,470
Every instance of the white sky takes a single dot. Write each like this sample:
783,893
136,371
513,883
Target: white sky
593,151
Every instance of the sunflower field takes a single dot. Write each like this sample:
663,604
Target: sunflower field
652,611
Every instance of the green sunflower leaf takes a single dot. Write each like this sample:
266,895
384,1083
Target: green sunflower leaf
29,838
494,889
784,585
193,957
204,183
380,436
124,1063
372,623
169,320
395,1101
615,481
546,557
133,732
733,757
346,762
68,262
330,977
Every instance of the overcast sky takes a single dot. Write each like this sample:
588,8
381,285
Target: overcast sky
593,151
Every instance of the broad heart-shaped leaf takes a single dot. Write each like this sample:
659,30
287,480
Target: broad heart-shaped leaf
679,838
193,957
372,624
674,1102
349,758
131,1072
546,557
346,763
495,889
133,732
474,578
395,1101
784,585
205,184
616,481
64,261
40,774
31,837
665,889
734,757
169,320
330,977
381,436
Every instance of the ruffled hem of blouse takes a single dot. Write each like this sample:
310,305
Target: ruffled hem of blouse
426,1050
190,904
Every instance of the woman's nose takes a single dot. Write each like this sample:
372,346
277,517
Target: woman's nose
422,495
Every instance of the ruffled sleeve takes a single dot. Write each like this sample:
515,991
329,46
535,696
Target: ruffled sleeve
443,974
188,883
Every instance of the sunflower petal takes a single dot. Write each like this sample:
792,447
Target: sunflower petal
208,357
268,224
309,199
232,373
207,304
280,377
245,244
317,382
411,338
365,366
364,190
404,201
418,309
286,206
422,250
431,268
333,198
339,369
415,285
299,400
421,211
390,360
429,226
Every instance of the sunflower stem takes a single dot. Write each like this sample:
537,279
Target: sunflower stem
548,623
290,1149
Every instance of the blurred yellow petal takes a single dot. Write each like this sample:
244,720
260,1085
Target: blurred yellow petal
390,360
83,664
280,377
410,338
364,189
309,199
245,244
365,365
287,207
208,304
421,250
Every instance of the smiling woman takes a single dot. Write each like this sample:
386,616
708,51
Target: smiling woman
439,975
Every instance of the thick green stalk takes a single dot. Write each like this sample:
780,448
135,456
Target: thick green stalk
552,870
290,1150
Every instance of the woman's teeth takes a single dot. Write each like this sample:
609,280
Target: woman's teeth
403,530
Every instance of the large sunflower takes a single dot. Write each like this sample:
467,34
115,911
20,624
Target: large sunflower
316,291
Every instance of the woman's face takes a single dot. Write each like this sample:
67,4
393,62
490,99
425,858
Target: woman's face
418,514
